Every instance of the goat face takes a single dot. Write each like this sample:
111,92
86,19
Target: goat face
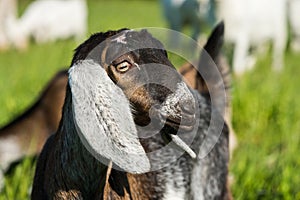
139,65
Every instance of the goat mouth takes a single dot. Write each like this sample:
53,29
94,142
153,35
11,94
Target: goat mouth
184,123
181,121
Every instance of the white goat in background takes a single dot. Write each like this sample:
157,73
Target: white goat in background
7,10
48,20
252,23
293,14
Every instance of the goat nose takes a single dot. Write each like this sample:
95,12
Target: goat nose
188,107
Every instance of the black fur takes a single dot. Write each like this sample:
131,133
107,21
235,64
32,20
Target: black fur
66,170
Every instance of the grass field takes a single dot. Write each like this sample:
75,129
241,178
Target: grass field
266,105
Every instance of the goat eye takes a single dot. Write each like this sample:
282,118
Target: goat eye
123,67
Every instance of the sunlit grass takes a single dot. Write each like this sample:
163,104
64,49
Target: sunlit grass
266,119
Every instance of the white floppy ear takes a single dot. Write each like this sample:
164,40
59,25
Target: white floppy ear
103,119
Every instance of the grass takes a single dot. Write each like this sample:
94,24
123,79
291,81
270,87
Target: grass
266,118
266,106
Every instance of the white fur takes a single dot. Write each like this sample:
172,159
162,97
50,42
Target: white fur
1,180
196,186
103,118
294,16
177,3
172,192
121,39
7,10
253,23
9,151
49,20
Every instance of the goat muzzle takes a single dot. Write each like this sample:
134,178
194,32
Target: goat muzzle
179,109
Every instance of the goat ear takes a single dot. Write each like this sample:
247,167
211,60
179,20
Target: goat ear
209,68
103,118
213,74
215,41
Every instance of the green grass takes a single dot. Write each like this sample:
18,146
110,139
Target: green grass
266,106
266,119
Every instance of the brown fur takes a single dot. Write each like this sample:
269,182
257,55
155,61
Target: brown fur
140,187
37,123
66,169
79,175
31,129
42,119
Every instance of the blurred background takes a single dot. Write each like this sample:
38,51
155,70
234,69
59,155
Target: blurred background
261,45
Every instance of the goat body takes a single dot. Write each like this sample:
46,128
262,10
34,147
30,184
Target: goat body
68,169
26,135
191,77
251,24
181,12
49,20
294,6
7,10
20,134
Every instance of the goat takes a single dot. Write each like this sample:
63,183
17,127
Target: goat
47,21
132,70
181,12
251,24
194,80
293,7
54,95
7,10
27,134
